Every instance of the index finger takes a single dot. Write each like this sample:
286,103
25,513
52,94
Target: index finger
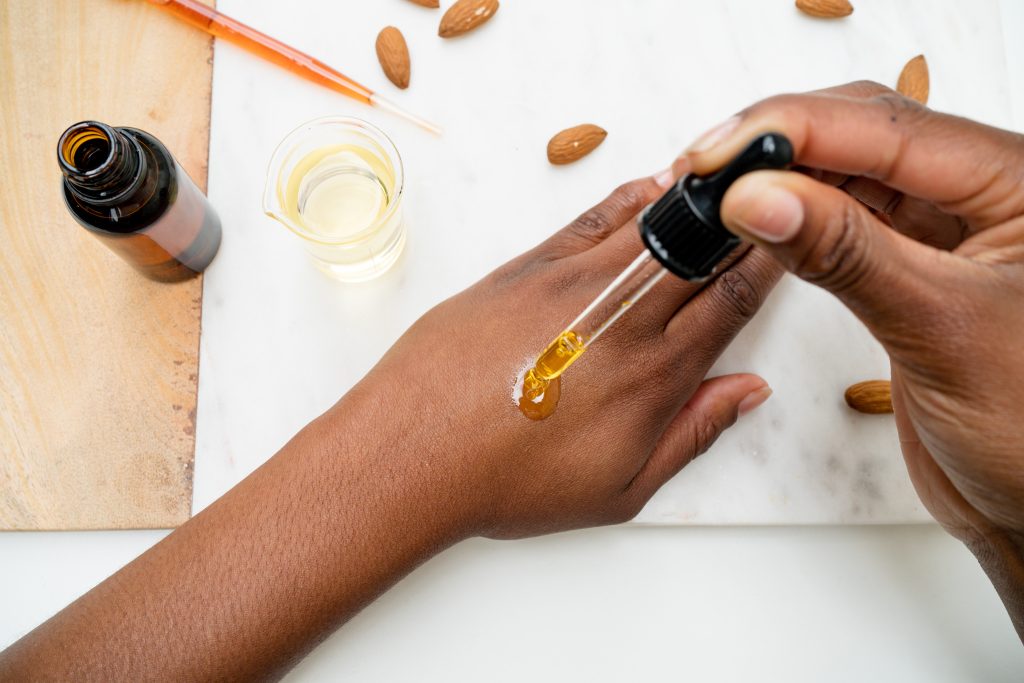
966,168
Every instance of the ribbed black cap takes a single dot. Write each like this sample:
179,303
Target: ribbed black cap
683,229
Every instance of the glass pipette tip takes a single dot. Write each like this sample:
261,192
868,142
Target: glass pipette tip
221,26
387,105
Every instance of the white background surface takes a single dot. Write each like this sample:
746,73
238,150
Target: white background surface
281,342
827,603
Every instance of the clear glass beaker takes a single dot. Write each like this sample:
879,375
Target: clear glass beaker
337,183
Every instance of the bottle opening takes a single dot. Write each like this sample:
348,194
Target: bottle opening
86,148
91,154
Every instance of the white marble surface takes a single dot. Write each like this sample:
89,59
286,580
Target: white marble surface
281,342
854,604
837,603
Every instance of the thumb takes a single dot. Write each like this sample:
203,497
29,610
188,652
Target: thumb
829,239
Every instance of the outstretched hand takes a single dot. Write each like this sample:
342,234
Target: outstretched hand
633,411
429,448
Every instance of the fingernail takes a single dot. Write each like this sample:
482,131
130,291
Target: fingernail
754,399
767,211
665,178
714,136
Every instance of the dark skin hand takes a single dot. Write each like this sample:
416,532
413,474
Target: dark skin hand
428,449
915,221
923,239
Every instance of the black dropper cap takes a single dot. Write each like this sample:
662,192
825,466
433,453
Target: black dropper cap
683,229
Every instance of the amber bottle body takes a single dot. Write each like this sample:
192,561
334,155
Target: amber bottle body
125,187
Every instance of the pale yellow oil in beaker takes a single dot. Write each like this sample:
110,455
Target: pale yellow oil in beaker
339,192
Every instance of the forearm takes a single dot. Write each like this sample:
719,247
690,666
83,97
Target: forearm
255,581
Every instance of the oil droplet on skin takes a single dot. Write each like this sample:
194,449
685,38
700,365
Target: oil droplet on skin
538,386
536,397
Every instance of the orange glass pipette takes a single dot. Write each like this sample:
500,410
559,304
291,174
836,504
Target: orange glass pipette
222,26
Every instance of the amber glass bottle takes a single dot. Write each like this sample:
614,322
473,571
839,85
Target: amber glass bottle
123,186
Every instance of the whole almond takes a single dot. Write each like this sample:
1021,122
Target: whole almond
466,15
873,397
575,143
914,82
826,9
432,4
393,55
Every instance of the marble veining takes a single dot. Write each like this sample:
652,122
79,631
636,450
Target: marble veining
281,342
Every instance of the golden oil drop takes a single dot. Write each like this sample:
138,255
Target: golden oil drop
538,390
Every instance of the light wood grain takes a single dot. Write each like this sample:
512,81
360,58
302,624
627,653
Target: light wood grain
98,366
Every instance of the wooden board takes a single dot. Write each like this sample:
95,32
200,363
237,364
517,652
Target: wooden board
98,366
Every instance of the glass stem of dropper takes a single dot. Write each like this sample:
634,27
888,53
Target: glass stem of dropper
617,298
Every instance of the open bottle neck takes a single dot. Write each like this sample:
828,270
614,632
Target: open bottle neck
102,166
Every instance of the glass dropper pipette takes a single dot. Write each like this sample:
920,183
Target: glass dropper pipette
617,298
683,234
222,26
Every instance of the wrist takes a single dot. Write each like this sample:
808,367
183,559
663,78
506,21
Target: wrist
414,480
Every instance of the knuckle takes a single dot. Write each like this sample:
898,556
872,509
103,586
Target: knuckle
529,268
564,279
630,196
836,260
600,221
634,337
596,223
705,433
906,115
738,294
513,272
